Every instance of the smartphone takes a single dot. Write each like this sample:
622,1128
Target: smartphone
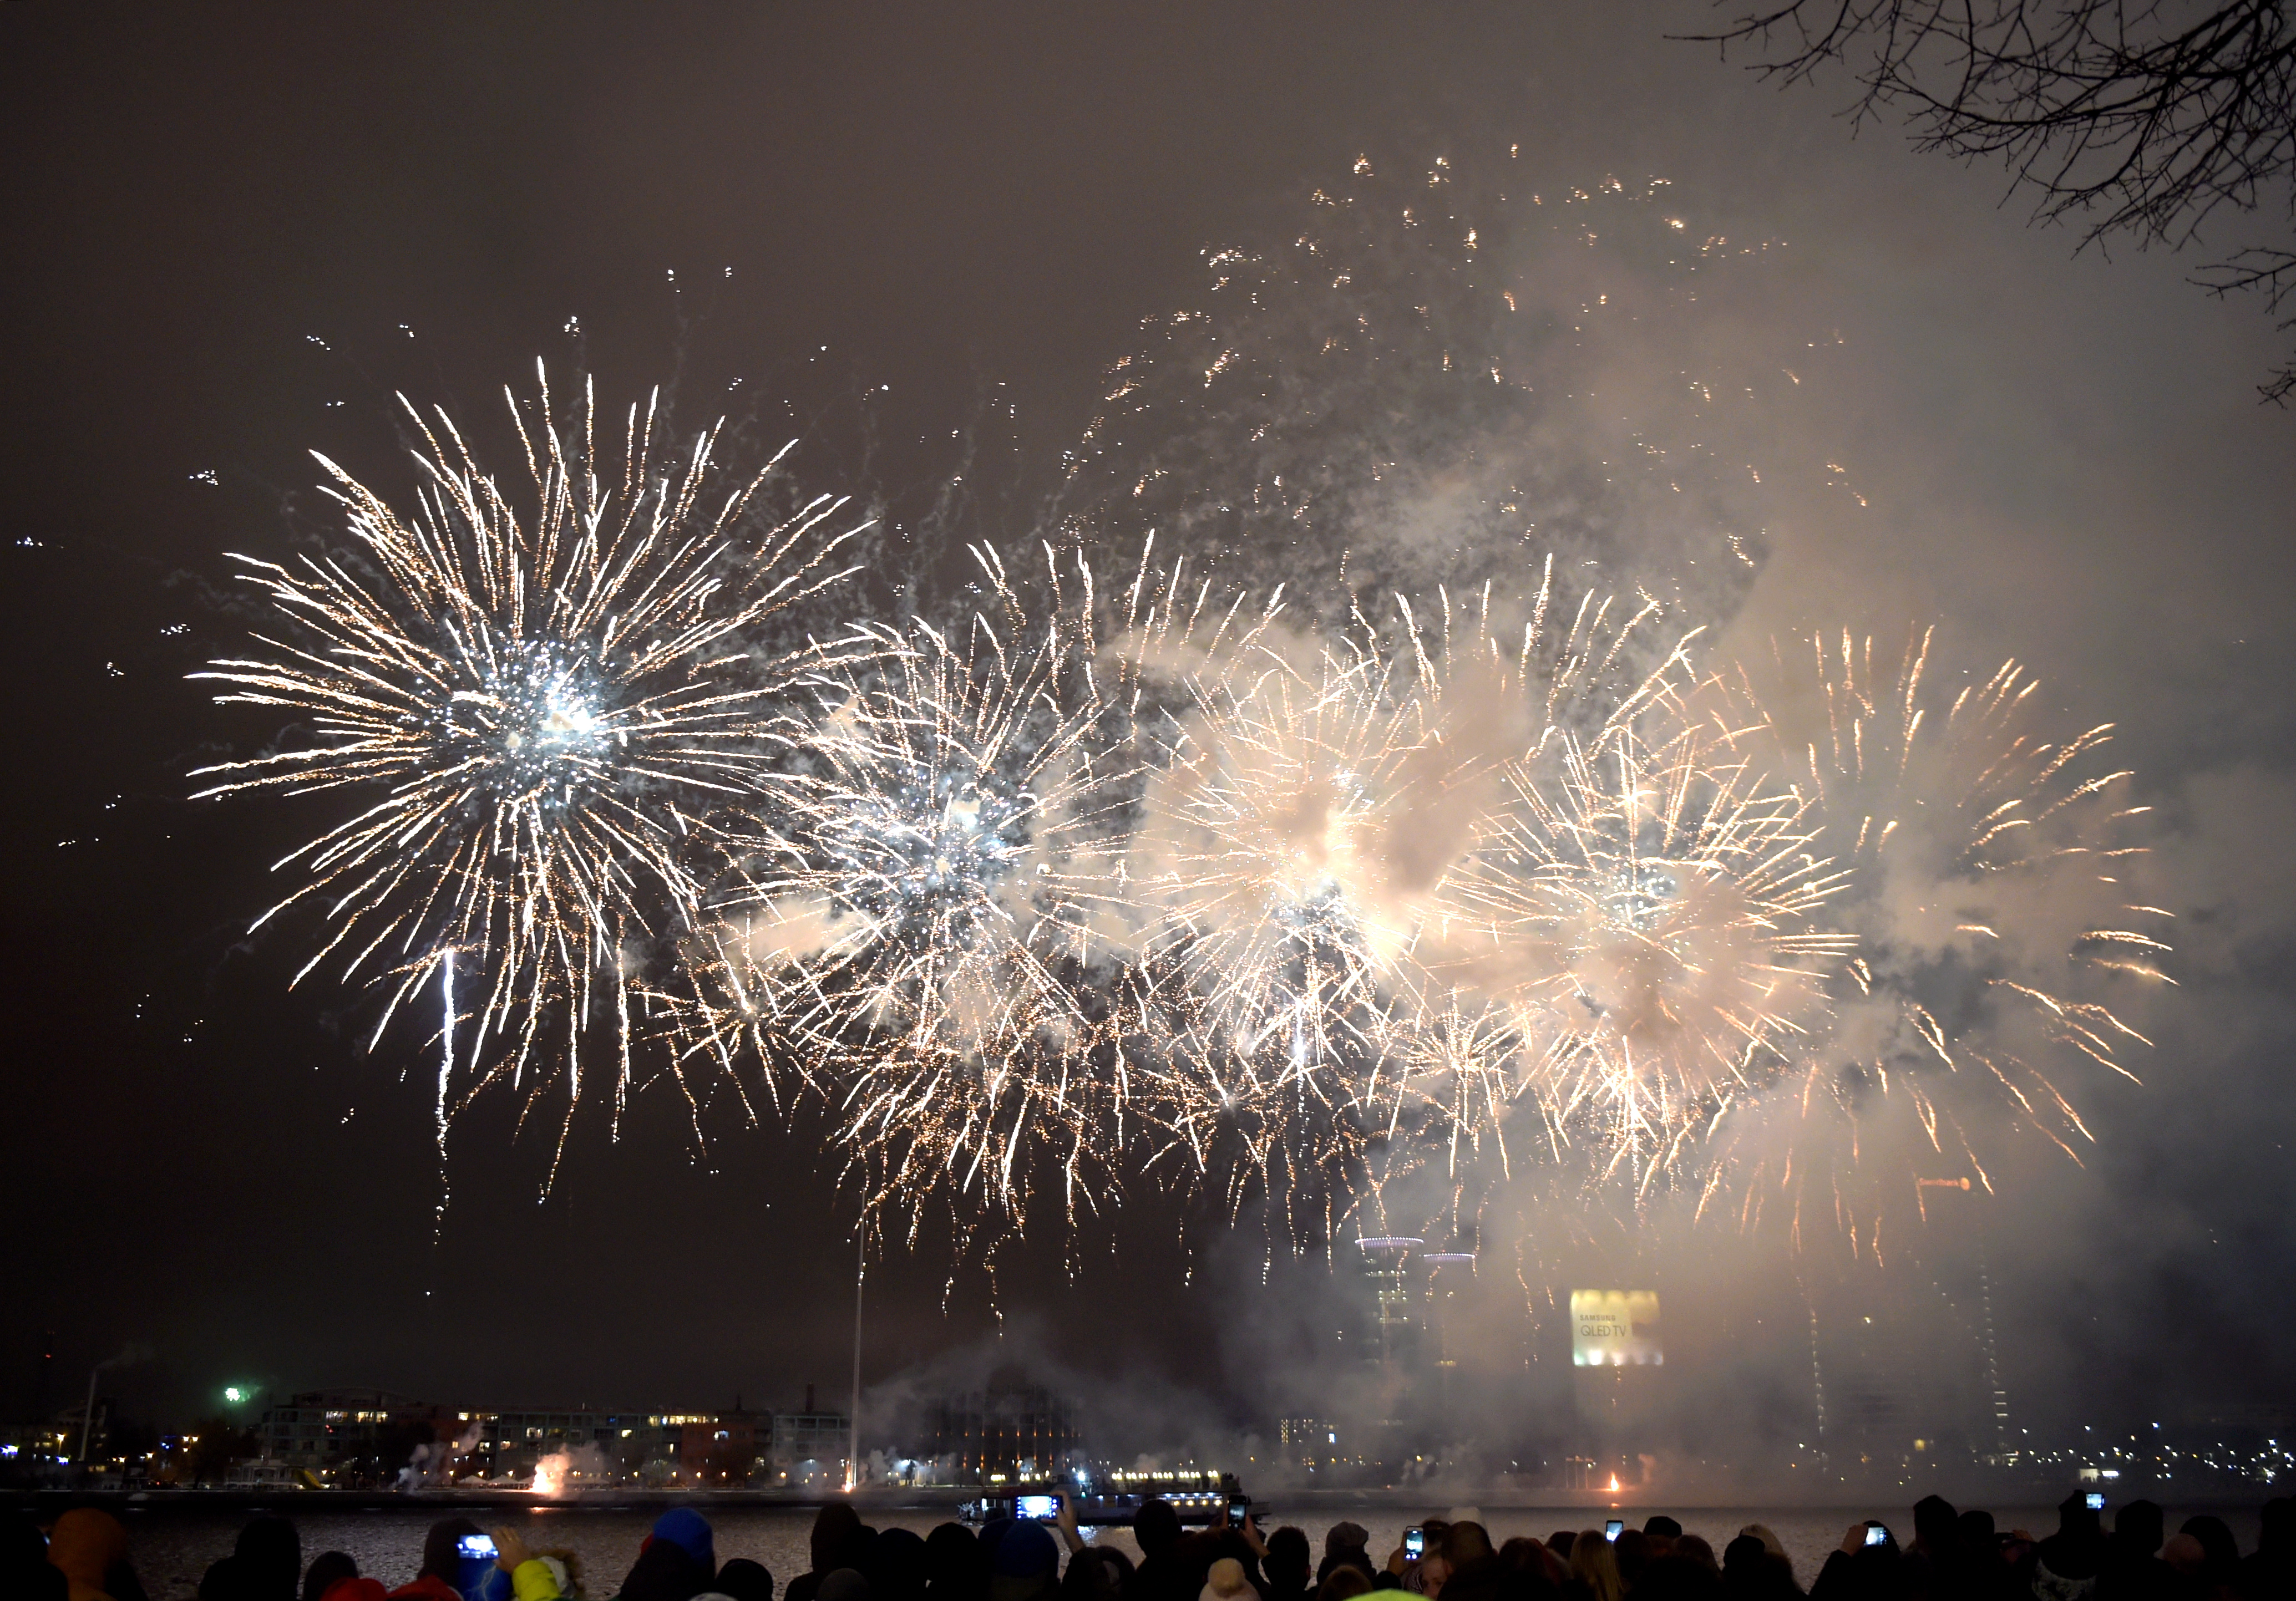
1613,1529
2096,1500
1415,1543
476,1547
1037,1508
1876,1534
1238,1509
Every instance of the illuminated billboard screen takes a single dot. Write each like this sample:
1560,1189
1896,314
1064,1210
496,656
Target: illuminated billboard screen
1614,1329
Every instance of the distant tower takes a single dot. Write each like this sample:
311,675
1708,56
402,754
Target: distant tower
1953,1214
1438,1313
1385,1259
1996,1397
1816,1381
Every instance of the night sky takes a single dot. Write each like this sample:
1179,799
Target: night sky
232,234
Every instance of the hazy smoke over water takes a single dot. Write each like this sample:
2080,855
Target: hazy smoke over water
1431,379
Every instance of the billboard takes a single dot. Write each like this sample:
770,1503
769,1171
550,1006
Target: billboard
1614,1329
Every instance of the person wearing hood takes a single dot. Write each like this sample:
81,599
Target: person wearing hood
837,1541
895,1566
263,1565
85,1545
743,1579
1285,1564
445,1571
1931,1560
2270,1570
2066,1564
957,1565
327,1569
1156,1531
2132,1569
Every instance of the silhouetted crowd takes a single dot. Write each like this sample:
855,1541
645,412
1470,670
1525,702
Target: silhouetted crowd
1953,1556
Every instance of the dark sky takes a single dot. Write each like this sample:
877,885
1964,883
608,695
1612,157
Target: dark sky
231,234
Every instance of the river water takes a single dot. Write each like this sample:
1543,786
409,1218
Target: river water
172,1546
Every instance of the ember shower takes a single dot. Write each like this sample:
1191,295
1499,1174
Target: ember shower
1457,854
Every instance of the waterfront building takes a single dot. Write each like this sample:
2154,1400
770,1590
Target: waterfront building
1308,1443
347,1438
604,1445
727,1447
810,1447
1008,1432
346,1435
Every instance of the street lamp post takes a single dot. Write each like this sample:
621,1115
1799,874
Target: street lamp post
88,1412
853,1417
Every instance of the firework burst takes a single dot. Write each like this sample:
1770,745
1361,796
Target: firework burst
543,706
1992,891
900,933
1250,908
1660,935
1320,874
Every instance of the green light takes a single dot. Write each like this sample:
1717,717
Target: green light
235,1394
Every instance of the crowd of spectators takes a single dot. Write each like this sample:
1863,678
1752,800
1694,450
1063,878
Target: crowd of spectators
1952,1557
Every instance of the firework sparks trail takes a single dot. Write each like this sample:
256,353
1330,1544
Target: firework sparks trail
901,934
1656,926
1990,879
1392,384
1297,917
1673,936
546,705
1313,871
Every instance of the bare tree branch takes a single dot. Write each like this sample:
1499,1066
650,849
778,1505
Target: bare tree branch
2144,117
2271,273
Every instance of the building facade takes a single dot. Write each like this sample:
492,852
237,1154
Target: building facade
346,1438
1002,1435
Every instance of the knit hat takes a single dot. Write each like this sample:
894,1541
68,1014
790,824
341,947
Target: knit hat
1026,1551
689,1530
1225,1581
